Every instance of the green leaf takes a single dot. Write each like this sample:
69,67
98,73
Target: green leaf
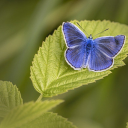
9,98
26,113
127,125
50,73
49,120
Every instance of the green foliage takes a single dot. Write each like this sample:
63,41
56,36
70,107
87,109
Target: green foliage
50,73
28,112
49,120
24,24
15,114
9,98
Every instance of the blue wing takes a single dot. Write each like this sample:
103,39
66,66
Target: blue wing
73,35
76,57
110,45
98,61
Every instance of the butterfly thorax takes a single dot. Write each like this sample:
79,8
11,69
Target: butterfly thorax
89,44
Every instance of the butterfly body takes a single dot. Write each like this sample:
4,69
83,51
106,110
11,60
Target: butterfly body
96,54
88,47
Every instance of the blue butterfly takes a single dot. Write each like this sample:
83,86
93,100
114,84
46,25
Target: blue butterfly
83,52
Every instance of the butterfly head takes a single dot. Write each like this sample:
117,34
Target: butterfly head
90,37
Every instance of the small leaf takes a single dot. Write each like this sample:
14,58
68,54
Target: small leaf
26,113
49,120
9,98
50,73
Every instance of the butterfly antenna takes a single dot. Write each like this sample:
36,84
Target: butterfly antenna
101,32
82,28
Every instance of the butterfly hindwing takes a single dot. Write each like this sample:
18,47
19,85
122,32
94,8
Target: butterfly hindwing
98,61
73,35
75,57
110,45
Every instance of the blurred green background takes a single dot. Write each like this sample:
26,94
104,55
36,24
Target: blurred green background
23,27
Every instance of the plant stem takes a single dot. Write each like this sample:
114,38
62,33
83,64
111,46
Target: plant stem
39,98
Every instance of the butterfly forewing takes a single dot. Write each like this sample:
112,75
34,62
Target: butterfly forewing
73,35
110,45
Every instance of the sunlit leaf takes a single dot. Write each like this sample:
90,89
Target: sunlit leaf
25,113
9,98
49,120
50,73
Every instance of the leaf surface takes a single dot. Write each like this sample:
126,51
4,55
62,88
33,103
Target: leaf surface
50,73
49,120
10,98
26,113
